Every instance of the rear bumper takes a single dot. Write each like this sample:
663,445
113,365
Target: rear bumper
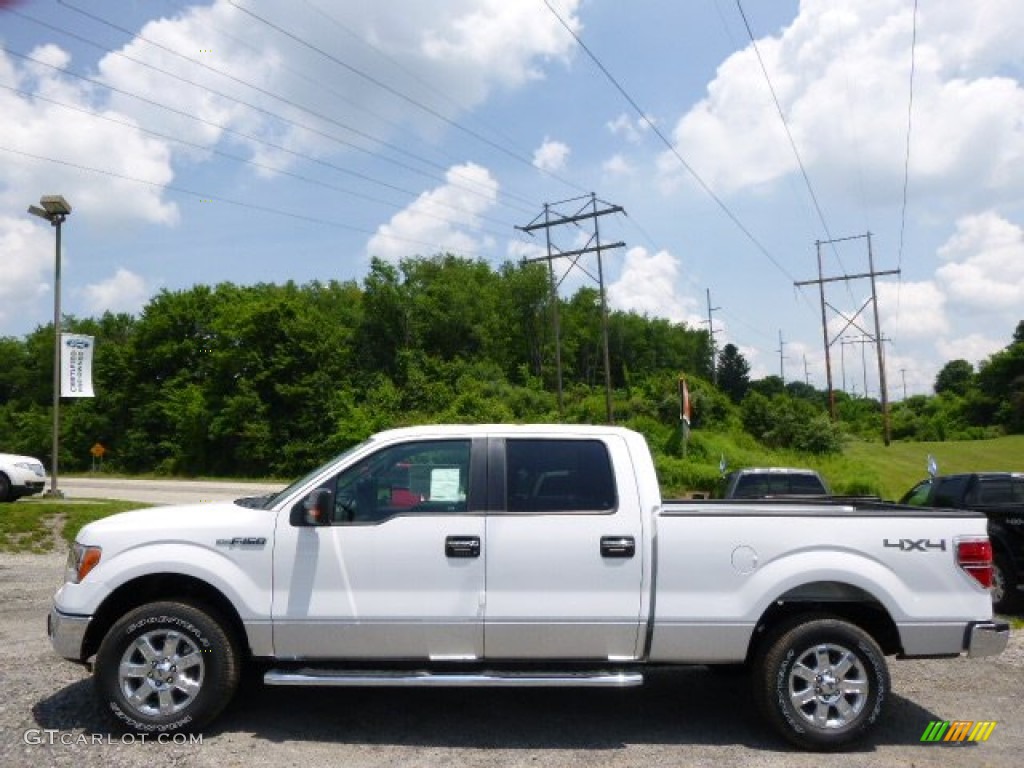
987,638
67,633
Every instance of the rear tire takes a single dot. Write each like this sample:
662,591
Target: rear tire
1005,597
822,683
166,667
5,488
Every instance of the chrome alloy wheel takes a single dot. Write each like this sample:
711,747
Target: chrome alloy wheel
828,686
161,672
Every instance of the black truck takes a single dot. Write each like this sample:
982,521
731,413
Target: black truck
1000,497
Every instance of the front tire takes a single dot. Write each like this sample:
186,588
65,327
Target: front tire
166,667
5,488
821,683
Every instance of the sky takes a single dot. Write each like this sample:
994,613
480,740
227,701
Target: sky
252,141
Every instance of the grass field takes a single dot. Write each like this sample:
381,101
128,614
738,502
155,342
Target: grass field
37,525
901,465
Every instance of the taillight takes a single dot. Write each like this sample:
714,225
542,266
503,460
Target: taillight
975,557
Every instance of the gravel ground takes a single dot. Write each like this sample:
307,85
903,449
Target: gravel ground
692,717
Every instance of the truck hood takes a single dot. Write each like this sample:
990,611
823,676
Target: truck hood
203,524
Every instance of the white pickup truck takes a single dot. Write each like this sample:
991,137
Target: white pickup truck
518,556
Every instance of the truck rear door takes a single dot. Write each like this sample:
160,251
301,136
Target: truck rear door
565,550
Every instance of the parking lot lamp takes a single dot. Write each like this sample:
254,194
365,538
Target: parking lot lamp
54,209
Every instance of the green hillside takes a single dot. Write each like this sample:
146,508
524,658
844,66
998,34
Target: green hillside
901,465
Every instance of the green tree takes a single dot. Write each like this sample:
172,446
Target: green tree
955,377
733,373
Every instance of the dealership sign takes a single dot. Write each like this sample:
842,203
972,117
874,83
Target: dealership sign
76,365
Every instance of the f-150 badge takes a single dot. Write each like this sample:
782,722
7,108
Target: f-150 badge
243,541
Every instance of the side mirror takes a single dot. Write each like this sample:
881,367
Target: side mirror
317,509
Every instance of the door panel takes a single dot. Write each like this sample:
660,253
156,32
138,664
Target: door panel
379,591
561,581
400,572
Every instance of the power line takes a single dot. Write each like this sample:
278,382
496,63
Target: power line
403,96
789,134
263,166
671,147
261,110
409,72
910,114
226,129
219,198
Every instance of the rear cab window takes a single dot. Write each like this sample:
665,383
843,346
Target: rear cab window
558,475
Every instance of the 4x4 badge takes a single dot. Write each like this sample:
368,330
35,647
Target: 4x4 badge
915,545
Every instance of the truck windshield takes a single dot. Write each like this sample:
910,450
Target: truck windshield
271,499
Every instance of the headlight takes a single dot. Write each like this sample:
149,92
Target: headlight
32,466
81,560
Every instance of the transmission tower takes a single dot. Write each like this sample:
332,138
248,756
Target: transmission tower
875,337
585,211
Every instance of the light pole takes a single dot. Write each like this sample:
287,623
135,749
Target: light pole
54,209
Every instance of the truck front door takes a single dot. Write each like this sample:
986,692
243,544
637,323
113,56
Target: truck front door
399,571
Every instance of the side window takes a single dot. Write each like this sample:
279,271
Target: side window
949,491
918,496
558,476
411,478
751,486
805,485
994,490
1018,489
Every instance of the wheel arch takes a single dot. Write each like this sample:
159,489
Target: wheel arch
841,600
163,586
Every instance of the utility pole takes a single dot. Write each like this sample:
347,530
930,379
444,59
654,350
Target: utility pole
903,375
584,212
807,376
876,337
711,338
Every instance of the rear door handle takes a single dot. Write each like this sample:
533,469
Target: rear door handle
462,546
618,546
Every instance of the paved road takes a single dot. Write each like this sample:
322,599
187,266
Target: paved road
161,491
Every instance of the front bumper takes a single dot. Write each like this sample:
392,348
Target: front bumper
67,633
987,638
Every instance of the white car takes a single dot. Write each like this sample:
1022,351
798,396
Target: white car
20,476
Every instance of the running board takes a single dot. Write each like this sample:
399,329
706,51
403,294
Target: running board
423,679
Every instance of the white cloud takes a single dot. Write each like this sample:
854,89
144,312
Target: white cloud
28,252
47,140
841,74
617,165
124,291
445,57
973,347
495,38
551,155
522,249
439,219
632,130
647,284
984,272
911,310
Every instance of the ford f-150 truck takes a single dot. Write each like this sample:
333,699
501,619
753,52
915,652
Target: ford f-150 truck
1000,497
518,556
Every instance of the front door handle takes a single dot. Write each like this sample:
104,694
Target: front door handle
462,546
618,546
